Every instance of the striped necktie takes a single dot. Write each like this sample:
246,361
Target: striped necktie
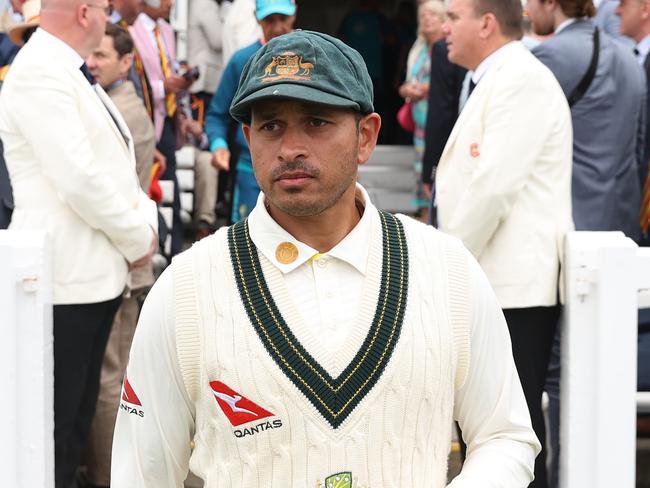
170,98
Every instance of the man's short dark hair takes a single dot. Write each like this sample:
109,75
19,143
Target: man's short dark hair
577,8
509,15
122,41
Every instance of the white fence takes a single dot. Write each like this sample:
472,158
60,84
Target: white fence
26,362
606,278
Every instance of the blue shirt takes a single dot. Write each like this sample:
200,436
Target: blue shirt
218,118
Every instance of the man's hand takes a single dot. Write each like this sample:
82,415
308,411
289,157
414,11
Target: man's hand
190,126
144,260
221,159
176,83
414,91
160,158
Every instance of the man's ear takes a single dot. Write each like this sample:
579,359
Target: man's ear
645,10
82,15
246,129
369,126
126,61
489,25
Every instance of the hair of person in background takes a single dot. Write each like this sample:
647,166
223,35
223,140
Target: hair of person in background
122,41
436,7
508,13
576,8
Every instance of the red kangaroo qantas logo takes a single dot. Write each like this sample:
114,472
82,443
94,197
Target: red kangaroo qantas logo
237,408
128,395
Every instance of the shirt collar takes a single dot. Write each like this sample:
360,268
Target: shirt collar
564,25
147,22
492,59
64,49
644,48
115,17
267,235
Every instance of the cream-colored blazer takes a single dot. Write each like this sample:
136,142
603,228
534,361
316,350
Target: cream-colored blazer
73,174
503,182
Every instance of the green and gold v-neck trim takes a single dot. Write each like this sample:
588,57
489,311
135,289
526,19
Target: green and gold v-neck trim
334,398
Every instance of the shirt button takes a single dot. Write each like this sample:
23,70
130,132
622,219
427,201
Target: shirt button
322,262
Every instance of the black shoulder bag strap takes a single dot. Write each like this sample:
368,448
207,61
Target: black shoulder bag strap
583,86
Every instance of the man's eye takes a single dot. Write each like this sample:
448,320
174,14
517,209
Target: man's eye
318,122
269,126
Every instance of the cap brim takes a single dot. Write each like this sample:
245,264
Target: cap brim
289,91
275,9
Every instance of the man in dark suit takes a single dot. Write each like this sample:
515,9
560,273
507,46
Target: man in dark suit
445,86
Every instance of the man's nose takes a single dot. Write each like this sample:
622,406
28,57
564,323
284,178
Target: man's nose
293,145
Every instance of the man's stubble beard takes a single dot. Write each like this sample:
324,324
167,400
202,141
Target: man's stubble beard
318,206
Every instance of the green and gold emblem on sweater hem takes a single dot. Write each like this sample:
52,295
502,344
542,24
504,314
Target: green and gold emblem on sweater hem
334,398
340,480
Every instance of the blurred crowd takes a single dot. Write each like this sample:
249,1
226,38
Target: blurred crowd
109,236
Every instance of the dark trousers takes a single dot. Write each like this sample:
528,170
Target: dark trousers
531,332
167,146
553,391
80,336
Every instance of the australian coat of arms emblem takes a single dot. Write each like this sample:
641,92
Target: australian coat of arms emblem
287,66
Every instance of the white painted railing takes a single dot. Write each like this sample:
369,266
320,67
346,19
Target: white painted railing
26,361
606,276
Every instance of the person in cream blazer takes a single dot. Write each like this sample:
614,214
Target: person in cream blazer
503,182
71,162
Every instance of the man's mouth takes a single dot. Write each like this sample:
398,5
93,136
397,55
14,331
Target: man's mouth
294,175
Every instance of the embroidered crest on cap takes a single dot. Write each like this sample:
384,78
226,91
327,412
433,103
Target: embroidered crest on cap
287,66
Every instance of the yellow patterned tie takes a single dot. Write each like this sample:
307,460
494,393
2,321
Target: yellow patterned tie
170,98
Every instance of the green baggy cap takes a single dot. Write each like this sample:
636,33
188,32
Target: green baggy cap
306,66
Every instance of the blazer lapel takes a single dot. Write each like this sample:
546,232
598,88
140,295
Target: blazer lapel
114,116
474,102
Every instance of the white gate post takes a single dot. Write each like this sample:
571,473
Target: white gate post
26,361
599,361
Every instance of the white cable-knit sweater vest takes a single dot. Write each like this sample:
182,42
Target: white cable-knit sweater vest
263,418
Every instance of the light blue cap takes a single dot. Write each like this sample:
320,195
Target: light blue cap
264,8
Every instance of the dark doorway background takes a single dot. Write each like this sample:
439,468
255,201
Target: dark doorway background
383,31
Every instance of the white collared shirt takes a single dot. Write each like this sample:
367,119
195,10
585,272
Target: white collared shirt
482,68
320,282
643,48
564,25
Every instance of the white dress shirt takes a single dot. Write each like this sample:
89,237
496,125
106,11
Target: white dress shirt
642,49
484,66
